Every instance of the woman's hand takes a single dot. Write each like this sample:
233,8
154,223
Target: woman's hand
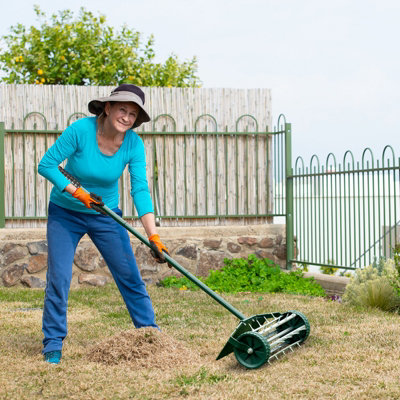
90,200
158,248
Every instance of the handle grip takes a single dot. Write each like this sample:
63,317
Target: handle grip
70,177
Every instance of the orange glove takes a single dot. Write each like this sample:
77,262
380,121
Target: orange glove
157,248
90,200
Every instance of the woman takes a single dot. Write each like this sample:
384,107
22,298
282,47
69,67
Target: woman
98,150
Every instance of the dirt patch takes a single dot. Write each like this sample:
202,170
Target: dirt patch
144,347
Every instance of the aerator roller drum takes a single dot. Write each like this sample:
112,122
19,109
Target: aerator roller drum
257,339
265,337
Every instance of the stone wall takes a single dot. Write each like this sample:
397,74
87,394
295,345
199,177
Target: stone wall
23,253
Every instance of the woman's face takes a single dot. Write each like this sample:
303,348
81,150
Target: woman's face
121,116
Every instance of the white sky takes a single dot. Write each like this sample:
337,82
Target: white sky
333,67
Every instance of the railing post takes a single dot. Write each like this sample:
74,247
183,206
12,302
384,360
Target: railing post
2,178
289,197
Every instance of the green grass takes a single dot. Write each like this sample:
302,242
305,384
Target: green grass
30,298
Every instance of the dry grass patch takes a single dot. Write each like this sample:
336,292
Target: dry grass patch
145,347
350,354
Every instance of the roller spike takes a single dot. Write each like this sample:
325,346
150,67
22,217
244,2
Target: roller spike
280,322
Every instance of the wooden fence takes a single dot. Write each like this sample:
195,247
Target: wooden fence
194,177
60,105
202,168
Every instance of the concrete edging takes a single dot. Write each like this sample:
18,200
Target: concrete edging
331,283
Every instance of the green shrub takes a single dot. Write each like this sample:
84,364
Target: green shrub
252,275
396,257
345,273
376,285
303,267
328,269
325,269
180,282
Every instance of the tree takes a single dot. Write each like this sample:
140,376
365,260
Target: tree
85,51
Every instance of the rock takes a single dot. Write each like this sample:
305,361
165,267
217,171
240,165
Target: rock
233,247
87,257
278,239
210,260
189,264
189,251
144,259
38,247
13,253
37,263
8,246
13,274
250,241
92,279
212,244
102,262
264,254
149,269
280,252
33,282
166,274
266,243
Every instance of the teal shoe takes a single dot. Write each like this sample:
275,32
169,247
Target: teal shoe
53,357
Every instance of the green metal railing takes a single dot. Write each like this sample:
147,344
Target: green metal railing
193,175
338,214
345,214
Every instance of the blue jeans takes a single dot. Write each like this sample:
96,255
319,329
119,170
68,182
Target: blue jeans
65,228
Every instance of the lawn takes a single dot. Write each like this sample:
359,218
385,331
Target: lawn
350,354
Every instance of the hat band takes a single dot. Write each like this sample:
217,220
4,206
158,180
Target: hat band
124,96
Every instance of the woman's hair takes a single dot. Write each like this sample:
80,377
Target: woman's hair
100,121
102,117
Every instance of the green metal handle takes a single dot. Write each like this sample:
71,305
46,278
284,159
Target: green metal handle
175,264
169,259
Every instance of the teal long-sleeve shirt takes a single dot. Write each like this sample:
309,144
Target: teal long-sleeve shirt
97,172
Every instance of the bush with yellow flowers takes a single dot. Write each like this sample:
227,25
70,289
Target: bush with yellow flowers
86,51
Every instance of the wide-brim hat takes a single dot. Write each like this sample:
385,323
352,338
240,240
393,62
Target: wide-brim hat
123,93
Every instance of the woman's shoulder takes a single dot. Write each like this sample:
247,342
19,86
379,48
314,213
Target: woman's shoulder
86,122
134,147
81,127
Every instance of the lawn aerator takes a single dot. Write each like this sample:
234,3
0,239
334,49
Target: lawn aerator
257,339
